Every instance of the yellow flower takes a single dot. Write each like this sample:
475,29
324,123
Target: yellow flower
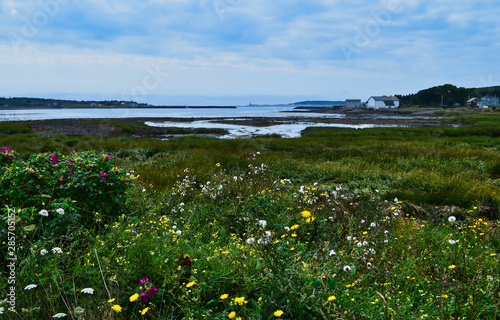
305,214
217,164
444,296
143,312
331,298
134,297
111,300
116,308
292,248
231,315
240,300
239,318
452,266
311,219
224,296
295,226
192,283
278,313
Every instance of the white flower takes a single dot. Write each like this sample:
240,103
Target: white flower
174,227
330,218
59,315
287,229
30,286
349,238
369,265
262,241
452,241
263,223
452,219
178,232
365,243
490,278
1,310
88,290
386,231
56,250
43,213
359,244
143,190
396,200
362,221
386,241
347,268
268,234
43,252
332,252
250,240
60,211
373,224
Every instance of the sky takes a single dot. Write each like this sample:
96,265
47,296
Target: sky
199,52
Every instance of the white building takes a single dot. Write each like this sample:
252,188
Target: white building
382,102
353,103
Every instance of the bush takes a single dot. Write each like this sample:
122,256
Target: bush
90,180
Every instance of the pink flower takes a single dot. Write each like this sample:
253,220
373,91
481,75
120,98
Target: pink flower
103,175
53,158
143,281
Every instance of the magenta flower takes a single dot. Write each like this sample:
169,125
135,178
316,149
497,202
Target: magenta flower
71,173
70,162
53,158
143,281
152,291
103,175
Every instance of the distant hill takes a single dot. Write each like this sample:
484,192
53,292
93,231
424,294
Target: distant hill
319,103
447,94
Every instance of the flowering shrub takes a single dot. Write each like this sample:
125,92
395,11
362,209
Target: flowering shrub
91,180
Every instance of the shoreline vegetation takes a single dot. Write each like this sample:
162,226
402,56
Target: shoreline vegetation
110,222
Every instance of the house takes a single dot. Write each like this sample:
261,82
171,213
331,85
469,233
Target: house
382,102
472,102
488,101
353,103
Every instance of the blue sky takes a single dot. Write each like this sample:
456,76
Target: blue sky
241,51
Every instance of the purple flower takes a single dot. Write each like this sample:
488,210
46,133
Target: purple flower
71,173
103,175
152,291
70,162
53,159
143,281
144,296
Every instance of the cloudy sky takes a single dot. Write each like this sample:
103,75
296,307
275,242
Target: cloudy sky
241,51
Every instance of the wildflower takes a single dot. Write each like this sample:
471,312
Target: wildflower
452,219
278,313
143,312
331,298
143,281
29,228
103,175
111,300
231,315
347,268
43,213
88,290
1,310
349,238
217,164
268,234
444,296
373,225
295,226
452,241
452,266
43,252
116,308
305,214
53,158
240,300
263,223
60,211
59,315
224,296
134,297
56,250
490,278
189,285
30,287
178,232
332,253
79,311
311,219
250,240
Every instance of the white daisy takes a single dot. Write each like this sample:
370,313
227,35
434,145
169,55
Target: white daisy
30,287
56,250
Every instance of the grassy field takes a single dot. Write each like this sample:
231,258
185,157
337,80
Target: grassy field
386,223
